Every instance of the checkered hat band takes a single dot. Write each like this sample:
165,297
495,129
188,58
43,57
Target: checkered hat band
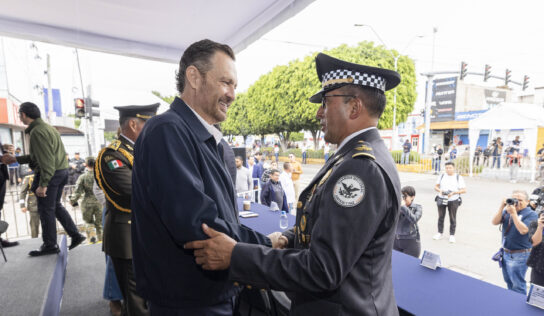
353,77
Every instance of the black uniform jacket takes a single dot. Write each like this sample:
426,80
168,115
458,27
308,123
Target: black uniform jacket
179,182
339,261
113,173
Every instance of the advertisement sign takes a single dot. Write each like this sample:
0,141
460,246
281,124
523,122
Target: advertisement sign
467,116
443,99
494,97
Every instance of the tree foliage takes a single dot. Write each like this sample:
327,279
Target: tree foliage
278,101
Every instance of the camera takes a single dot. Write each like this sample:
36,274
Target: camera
512,201
536,200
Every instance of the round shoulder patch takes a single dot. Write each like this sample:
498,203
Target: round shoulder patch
349,191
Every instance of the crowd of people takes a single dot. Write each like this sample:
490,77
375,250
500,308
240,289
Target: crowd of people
172,238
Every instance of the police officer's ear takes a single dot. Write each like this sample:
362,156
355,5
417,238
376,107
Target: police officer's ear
357,108
193,77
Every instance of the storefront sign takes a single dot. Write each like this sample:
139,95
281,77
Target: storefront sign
467,116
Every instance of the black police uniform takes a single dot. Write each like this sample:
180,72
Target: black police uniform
113,173
338,260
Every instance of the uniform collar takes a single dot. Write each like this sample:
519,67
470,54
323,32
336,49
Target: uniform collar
197,123
127,139
352,135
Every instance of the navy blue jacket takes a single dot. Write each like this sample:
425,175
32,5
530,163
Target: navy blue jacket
268,195
179,182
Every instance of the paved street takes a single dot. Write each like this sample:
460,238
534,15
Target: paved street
477,238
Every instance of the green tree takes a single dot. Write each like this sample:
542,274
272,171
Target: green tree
237,122
167,99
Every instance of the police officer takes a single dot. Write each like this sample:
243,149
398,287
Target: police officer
346,217
28,202
90,207
113,173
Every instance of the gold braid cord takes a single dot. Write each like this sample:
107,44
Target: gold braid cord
98,169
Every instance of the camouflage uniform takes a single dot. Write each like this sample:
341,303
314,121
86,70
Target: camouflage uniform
31,205
90,207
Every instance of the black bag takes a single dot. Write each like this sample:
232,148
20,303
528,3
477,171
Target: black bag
3,226
441,201
498,256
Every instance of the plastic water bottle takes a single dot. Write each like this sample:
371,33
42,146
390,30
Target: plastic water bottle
284,221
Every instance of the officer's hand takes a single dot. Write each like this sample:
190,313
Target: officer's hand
24,209
278,240
213,253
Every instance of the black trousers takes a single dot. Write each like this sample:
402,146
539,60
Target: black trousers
452,210
225,308
50,208
410,247
133,304
537,278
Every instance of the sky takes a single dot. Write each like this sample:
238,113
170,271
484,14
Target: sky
504,34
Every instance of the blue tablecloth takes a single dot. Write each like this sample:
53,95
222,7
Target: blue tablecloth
422,291
267,222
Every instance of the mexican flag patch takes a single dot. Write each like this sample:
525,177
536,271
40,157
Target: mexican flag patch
114,164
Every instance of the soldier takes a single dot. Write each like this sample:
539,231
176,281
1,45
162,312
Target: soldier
346,217
113,173
28,202
90,207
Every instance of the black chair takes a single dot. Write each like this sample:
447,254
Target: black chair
3,229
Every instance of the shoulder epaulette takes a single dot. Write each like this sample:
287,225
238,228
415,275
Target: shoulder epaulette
363,149
115,144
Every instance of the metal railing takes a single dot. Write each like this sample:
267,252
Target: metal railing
19,222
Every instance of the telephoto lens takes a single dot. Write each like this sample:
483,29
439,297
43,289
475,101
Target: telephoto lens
511,201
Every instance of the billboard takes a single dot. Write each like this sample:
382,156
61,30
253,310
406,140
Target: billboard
443,99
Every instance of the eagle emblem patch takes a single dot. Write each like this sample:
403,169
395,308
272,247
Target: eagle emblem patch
349,191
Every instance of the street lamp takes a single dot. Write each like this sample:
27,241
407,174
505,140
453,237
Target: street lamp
396,59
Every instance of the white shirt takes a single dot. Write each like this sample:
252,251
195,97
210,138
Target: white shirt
351,136
210,128
449,183
243,180
276,150
288,186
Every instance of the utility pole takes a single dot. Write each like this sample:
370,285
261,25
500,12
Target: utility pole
89,116
428,101
49,90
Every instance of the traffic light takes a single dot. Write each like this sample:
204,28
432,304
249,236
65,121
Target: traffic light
487,72
92,107
507,77
463,70
79,105
525,82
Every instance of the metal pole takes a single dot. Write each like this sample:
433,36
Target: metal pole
49,90
395,132
428,101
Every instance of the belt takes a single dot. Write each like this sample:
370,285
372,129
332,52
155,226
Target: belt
517,250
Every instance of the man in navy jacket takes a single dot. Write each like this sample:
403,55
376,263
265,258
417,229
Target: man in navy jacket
180,182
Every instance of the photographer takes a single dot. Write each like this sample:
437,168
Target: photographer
514,216
449,186
407,234
497,151
536,258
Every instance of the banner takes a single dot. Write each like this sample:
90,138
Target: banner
443,99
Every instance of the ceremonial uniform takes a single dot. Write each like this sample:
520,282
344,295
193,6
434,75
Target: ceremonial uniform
113,173
339,261
28,200
90,207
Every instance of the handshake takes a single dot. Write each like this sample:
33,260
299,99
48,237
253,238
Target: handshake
8,157
278,240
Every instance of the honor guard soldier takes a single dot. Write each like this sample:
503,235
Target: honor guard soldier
113,173
339,256
28,202
90,207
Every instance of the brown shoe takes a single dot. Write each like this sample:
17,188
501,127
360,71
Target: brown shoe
115,308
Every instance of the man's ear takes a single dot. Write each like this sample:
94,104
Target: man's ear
357,108
193,77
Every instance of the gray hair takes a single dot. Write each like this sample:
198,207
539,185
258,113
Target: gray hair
524,193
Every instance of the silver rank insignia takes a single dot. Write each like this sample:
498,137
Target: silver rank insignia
349,191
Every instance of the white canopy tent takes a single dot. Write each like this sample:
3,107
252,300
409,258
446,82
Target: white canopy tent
508,116
158,30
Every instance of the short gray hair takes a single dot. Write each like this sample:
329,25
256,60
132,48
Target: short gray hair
524,193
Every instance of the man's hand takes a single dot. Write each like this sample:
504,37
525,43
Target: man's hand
213,253
9,148
40,191
450,195
8,159
511,209
278,240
